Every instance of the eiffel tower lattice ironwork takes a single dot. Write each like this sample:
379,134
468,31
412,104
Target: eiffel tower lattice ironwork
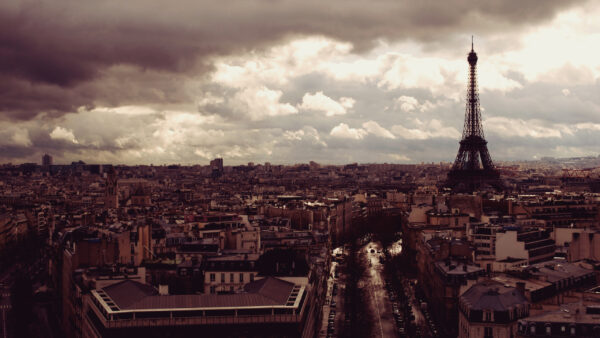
473,167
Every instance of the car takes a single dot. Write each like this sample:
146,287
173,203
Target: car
333,304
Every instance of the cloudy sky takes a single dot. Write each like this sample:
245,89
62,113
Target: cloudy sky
147,81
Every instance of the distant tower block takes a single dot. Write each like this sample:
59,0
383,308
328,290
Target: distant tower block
473,168
46,160
111,198
216,167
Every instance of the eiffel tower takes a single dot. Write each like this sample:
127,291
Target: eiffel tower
473,168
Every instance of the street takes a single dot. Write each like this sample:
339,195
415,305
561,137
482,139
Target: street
379,301
332,320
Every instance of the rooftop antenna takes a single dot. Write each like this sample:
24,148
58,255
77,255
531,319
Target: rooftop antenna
471,42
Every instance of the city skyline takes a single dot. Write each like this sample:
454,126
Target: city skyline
381,85
299,169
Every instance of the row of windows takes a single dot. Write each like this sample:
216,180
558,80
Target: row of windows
548,329
231,277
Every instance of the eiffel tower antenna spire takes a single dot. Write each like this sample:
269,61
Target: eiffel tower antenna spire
473,167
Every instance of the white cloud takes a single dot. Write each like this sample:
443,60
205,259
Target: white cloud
559,50
508,127
277,65
588,126
433,129
398,157
15,134
374,128
176,128
342,130
347,102
293,135
261,102
410,104
21,137
210,99
308,133
323,103
60,133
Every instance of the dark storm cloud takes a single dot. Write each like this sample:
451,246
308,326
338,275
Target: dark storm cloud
48,49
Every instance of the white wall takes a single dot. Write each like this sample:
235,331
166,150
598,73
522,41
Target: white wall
507,246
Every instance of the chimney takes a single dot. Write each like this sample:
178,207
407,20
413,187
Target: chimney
521,287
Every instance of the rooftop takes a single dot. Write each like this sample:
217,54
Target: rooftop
492,295
570,313
457,268
558,270
130,295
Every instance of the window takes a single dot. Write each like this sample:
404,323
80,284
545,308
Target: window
231,278
212,289
252,277
488,316
488,332
241,277
212,277
222,278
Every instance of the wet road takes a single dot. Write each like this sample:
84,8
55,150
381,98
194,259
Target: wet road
379,301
